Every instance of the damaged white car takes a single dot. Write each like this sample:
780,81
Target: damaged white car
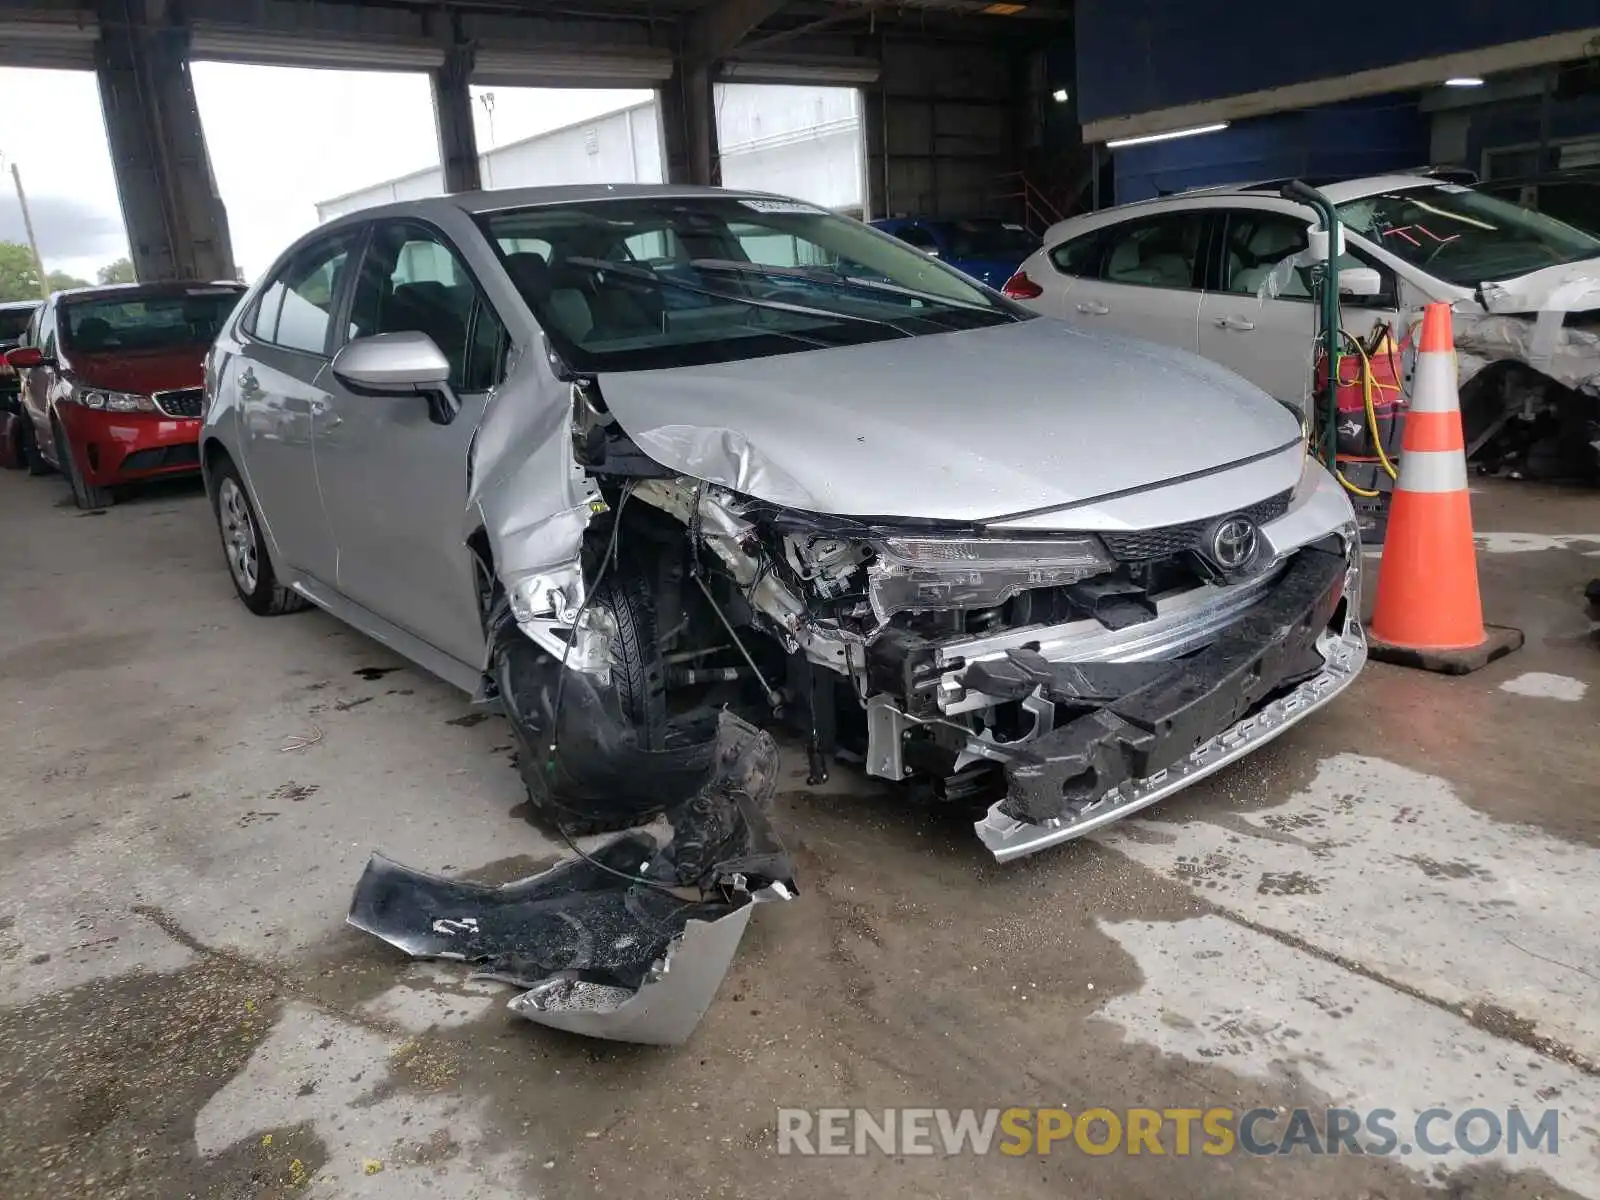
617,459
1196,271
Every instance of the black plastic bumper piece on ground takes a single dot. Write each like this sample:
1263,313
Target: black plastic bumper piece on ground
1172,707
1499,641
593,939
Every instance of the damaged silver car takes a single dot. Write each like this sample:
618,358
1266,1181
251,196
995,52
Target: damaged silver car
619,459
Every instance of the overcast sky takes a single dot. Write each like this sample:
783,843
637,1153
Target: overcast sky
281,139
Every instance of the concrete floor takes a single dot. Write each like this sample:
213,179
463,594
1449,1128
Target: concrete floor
1393,906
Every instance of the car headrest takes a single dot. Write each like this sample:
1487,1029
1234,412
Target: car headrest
530,274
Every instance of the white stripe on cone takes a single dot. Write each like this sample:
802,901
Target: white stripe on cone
1433,471
1434,387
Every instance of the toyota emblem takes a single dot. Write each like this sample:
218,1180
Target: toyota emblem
1233,543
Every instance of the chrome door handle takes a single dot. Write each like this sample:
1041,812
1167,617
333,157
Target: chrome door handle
1093,306
1239,323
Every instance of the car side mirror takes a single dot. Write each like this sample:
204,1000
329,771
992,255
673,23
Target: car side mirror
24,357
391,364
1360,281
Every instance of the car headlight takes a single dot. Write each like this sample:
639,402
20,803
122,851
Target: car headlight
995,554
106,401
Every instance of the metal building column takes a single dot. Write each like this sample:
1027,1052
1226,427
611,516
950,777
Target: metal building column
452,118
688,100
177,226
689,124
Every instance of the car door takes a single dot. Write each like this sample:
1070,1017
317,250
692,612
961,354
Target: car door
39,387
1140,277
1269,341
395,483
280,378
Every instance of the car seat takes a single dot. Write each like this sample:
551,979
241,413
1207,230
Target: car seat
91,334
426,307
1134,261
1249,265
568,308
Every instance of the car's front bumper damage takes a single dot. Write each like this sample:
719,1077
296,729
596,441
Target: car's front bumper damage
629,944
1119,719
1290,653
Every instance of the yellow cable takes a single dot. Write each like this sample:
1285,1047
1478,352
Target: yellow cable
1368,384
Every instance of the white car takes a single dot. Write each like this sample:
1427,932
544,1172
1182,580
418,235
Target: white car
1186,270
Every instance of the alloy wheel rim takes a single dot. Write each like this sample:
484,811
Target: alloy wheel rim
239,536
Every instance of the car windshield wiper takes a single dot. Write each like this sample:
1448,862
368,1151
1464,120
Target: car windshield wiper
646,275
828,276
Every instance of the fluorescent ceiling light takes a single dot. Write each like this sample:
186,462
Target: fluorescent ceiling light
1119,143
1060,95
1463,81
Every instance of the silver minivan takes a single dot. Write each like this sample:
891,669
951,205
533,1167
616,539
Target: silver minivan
617,458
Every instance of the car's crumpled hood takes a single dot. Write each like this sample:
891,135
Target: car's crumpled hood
965,426
1569,287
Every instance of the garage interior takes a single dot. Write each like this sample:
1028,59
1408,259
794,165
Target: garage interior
1390,907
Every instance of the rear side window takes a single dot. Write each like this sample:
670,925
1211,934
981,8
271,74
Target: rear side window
1080,256
296,309
1157,252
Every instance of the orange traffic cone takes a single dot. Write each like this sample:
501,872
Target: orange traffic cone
1429,613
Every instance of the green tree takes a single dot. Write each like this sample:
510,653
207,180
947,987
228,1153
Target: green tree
60,281
18,279
120,271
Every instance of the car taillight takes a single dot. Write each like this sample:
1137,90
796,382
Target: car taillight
1020,287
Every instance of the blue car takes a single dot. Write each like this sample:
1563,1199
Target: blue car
986,248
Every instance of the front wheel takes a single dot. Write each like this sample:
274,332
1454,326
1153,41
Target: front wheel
32,457
248,562
619,759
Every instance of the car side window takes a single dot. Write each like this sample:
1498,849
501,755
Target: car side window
1256,241
1080,256
412,280
1156,252
47,330
296,309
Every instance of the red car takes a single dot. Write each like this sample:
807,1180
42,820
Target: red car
112,382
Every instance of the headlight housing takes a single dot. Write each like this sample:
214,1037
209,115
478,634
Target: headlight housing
103,400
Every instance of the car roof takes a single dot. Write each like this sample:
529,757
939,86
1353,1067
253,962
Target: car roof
1338,191
7,305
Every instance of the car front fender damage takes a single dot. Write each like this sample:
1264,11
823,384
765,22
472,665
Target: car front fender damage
629,943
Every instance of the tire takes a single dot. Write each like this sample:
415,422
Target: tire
244,549
620,760
85,494
32,458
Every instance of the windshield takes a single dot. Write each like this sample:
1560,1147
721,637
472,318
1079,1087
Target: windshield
638,284
989,239
148,322
1465,237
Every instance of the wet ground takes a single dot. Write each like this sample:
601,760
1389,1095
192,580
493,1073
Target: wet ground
1390,908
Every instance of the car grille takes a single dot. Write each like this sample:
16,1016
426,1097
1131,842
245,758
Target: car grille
1141,544
184,402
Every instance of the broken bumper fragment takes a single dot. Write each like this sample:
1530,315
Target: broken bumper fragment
629,944
1135,732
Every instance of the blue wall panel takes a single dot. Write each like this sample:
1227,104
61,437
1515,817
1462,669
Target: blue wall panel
1137,55
1366,137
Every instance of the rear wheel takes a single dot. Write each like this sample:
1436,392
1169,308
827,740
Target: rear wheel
84,493
249,565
